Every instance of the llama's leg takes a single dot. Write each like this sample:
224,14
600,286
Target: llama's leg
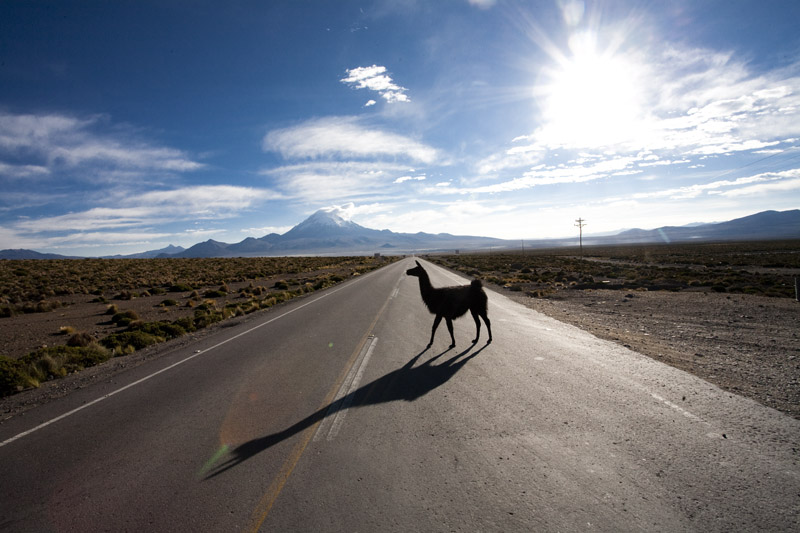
488,326
450,329
435,325
477,326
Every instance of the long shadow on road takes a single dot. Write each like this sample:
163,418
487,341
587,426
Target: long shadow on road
407,383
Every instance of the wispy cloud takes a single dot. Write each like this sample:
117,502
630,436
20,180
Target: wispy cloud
483,4
402,179
344,137
576,172
325,182
375,79
155,207
47,142
22,171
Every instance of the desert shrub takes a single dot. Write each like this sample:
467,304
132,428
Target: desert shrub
181,287
45,367
12,376
169,302
232,310
42,306
281,285
204,318
250,307
215,294
135,339
125,318
186,323
207,305
81,339
58,361
163,329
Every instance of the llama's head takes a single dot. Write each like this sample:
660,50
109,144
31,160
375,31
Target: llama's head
417,271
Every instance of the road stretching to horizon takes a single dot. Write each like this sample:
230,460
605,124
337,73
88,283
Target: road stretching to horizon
329,414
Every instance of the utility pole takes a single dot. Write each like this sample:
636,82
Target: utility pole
580,223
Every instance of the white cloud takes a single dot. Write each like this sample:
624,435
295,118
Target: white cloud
330,181
22,171
773,187
402,179
57,141
785,180
349,210
265,230
374,78
483,4
155,207
552,175
344,137
217,200
462,217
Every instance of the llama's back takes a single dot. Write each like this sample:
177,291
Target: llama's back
453,302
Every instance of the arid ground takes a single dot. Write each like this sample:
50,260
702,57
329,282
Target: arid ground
744,344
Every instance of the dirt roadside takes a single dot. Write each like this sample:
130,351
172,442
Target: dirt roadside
744,344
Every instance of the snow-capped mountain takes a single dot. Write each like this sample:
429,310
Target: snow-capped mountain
325,232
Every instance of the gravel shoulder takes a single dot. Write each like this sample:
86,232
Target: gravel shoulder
744,344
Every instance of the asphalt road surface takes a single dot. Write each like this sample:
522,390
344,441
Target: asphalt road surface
329,414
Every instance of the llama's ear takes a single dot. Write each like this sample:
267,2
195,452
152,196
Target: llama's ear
417,263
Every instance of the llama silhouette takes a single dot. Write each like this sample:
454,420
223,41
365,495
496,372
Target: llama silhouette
452,302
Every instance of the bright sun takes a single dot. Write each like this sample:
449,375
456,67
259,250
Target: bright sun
591,99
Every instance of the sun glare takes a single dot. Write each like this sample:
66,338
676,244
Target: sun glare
591,99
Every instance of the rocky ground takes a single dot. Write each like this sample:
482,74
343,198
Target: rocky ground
745,344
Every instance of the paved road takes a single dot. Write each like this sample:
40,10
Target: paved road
328,414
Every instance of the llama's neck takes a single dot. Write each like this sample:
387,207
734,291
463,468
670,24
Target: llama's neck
425,287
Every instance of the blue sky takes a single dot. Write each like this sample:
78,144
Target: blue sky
127,126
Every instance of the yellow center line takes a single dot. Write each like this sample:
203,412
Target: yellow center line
264,506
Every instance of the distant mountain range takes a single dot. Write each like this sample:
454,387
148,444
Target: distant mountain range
325,233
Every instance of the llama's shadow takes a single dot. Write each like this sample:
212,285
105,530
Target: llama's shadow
407,383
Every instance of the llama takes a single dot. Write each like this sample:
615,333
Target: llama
452,302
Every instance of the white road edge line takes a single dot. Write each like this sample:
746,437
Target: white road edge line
678,408
170,367
349,385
